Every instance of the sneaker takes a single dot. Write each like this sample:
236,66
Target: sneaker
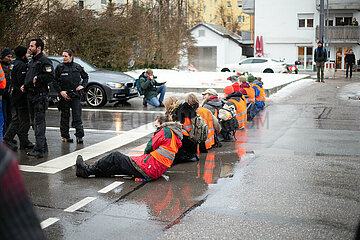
79,140
161,104
35,154
69,140
323,81
144,102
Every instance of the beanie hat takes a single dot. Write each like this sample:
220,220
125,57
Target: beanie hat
20,51
236,87
5,52
228,90
251,78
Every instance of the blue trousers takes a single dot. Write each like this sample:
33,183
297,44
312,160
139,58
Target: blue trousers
156,101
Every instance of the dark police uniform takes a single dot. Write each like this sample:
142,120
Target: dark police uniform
68,76
41,68
20,123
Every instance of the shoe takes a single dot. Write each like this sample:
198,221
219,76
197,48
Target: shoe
144,102
161,104
11,145
35,154
81,167
79,140
69,140
322,81
317,81
30,145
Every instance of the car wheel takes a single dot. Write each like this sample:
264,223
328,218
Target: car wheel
296,71
225,70
268,70
95,96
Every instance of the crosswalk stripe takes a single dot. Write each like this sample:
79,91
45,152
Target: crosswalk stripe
48,222
110,187
79,204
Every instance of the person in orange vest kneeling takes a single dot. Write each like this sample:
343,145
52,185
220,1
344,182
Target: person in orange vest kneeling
158,156
210,120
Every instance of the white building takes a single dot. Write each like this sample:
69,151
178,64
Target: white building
216,46
290,29
98,5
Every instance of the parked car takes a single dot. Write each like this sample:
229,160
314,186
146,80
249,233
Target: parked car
264,65
103,86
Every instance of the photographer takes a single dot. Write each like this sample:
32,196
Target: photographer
148,85
70,79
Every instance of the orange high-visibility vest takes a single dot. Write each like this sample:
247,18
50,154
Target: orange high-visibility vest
207,116
186,127
251,93
166,154
241,112
2,78
261,95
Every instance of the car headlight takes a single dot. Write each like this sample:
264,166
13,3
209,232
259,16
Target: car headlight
114,84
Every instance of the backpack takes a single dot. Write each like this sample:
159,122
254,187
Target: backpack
228,122
199,131
138,86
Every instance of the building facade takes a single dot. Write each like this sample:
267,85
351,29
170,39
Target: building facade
227,13
290,30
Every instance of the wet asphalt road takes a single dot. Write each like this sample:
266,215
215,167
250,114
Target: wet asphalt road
294,173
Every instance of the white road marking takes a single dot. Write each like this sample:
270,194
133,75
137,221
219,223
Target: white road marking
80,204
87,130
115,111
68,160
110,187
48,222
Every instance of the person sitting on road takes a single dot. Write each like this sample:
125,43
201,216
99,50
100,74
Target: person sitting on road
211,101
236,99
158,156
245,89
210,120
257,85
148,85
182,112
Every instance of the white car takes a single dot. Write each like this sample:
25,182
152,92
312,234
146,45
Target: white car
263,65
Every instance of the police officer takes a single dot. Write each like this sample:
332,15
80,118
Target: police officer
70,79
39,74
20,123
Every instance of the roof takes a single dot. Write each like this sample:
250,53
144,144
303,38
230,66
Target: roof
220,30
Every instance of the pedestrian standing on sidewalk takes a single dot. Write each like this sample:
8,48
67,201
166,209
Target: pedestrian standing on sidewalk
70,80
320,58
20,121
350,61
39,75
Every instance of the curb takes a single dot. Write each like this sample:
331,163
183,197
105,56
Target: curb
268,92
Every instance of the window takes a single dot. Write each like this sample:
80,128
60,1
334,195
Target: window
201,33
104,2
247,61
257,60
215,3
228,19
239,4
215,19
331,23
204,9
241,19
81,4
305,57
228,4
343,21
305,20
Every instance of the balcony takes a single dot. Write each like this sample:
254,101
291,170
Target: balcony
341,34
248,7
340,4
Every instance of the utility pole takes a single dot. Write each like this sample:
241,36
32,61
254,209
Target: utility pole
327,25
321,23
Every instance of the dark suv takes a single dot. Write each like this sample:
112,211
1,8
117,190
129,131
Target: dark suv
103,86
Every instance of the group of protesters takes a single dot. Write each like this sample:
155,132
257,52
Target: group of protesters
178,131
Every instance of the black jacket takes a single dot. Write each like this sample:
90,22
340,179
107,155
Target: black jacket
41,67
68,76
18,74
320,54
350,58
184,110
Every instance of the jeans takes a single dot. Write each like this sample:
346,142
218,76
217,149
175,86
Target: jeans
155,101
347,69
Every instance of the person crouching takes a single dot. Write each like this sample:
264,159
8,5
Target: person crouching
158,156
